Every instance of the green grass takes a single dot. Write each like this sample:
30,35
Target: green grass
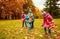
12,29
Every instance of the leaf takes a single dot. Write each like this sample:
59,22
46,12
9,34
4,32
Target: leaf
26,37
55,35
41,35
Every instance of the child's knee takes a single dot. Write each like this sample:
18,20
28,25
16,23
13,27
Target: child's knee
29,28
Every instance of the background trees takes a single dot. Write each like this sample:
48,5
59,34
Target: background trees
11,9
52,6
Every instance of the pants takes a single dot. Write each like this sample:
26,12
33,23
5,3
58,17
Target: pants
32,25
49,30
23,24
29,26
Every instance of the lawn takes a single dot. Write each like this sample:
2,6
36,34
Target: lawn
12,29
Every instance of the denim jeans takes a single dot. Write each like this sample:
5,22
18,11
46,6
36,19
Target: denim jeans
29,26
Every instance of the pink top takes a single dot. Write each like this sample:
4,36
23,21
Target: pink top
47,20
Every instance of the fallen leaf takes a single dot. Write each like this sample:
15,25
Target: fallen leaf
36,33
16,33
32,37
55,35
41,35
26,37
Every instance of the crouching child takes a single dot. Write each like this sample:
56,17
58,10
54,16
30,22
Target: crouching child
47,22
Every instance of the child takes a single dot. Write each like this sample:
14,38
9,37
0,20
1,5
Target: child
47,22
29,20
32,19
23,19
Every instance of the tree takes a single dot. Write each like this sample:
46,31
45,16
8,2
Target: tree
29,5
10,9
51,7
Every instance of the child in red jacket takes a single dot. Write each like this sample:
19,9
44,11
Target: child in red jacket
23,19
48,22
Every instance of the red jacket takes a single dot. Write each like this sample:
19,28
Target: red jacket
48,20
23,17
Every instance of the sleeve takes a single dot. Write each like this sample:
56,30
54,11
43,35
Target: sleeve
43,22
50,19
32,17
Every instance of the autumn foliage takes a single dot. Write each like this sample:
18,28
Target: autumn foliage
11,9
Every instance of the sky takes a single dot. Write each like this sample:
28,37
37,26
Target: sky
59,3
39,3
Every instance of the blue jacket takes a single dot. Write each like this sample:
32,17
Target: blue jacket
33,18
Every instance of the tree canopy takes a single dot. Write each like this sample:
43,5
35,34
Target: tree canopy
53,8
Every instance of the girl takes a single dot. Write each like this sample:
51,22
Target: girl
48,22
23,19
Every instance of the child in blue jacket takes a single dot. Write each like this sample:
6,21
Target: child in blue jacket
29,20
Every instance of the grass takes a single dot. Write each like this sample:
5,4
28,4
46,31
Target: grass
12,29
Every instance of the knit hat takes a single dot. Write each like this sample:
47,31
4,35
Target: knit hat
44,13
30,11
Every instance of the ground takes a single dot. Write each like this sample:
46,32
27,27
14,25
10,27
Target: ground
12,29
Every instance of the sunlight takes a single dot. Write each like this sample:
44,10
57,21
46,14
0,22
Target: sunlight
39,3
